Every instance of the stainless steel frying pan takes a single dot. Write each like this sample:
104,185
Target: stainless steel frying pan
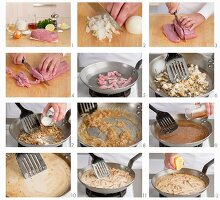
67,158
90,74
16,127
154,127
157,66
133,108
116,166
201,174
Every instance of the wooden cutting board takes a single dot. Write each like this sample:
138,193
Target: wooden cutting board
125,39
25,41
205,33
59,87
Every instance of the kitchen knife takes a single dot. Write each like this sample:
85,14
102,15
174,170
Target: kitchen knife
99,9
28,66
178,21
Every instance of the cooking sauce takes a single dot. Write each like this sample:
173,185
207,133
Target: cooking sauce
52,182
180,184
187,132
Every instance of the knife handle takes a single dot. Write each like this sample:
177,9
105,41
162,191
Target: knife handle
23,60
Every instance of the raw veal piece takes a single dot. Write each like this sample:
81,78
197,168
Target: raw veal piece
23,81
100,27
112,80
175,33
44,35
170,33
183,33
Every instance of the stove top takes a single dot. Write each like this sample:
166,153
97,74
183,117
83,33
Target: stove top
121,94
95,194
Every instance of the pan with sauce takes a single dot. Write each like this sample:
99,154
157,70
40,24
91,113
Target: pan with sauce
180,184
187,132
53,182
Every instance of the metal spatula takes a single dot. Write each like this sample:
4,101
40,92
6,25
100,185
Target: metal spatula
30,164
87,108
28,119
99,166
165,120
176,67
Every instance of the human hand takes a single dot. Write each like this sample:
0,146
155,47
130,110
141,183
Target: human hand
169,159
209,108
17,58
59,110
50,62
172,7
122,11
192,21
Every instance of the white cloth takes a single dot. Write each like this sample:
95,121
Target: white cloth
12,111
174,108
205,9
194,161
85,159
85,59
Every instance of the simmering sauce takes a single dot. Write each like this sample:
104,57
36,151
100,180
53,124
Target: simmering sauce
52,182
187,132
180,184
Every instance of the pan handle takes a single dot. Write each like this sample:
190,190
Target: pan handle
207,165
139,63
67,115
154,109
131,161
171,56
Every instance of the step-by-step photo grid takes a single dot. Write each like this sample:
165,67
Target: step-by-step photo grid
109,99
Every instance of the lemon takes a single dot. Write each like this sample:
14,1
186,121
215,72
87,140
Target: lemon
179,162
50,27
64,26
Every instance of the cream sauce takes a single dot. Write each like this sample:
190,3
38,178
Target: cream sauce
52,182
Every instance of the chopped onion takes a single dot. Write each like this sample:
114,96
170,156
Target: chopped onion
101,27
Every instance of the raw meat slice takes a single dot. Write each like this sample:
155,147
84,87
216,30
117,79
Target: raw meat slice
189,34
62,68
44,35
23,81
175,33
170,33
179,30
183,33
10,72
36,74
112,80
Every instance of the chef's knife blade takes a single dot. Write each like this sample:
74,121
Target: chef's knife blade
28,66
99,9
178,21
